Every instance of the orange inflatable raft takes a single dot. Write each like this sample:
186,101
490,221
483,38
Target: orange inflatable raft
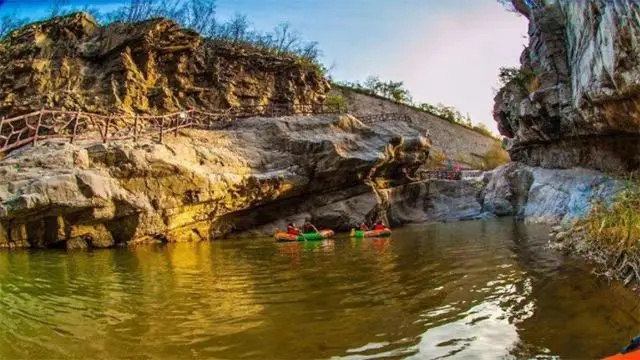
371,233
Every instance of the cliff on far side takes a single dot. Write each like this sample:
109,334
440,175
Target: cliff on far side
455,141
576,98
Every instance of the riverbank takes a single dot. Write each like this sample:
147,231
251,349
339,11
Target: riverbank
608,235
594,215
256,177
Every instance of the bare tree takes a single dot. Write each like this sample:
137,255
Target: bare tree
237,29
134,11
199,15
93,11
310,51
285,39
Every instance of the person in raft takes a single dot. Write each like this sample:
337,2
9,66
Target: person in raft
308,228
292,229
379,226
363,227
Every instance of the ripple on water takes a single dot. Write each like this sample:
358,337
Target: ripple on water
477,289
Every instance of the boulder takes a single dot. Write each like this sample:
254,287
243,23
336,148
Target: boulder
507,190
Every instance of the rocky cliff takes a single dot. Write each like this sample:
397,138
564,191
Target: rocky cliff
576,99
454,141
151,67
202,184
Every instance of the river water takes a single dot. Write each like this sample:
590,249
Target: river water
486,289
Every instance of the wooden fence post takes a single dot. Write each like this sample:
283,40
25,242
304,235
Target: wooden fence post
106,131
75,126
135,128
161,129
35,136
175,131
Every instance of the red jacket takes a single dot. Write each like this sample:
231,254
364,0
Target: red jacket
291,230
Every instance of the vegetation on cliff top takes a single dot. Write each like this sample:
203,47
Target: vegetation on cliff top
495,157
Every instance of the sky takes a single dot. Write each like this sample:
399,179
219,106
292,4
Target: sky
445,51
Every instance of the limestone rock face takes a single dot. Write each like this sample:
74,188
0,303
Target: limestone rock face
546,195
507,190
151,67
575,103
201,184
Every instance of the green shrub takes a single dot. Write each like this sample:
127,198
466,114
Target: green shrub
336,101
616,227
436,159
524,78
483,129
496,156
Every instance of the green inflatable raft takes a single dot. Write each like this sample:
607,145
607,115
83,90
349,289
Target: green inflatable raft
305,237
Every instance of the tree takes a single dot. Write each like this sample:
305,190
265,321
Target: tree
483,129
134,11
139,10
237,29
198,15
285,40
393,90
310,51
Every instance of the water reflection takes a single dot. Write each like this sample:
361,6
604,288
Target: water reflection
465,290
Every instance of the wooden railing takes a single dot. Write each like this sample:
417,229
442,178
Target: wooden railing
441,175
373,118
46,124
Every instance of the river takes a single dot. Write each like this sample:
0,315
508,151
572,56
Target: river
483,289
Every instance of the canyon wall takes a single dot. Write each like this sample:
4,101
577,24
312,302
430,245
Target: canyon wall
575,101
